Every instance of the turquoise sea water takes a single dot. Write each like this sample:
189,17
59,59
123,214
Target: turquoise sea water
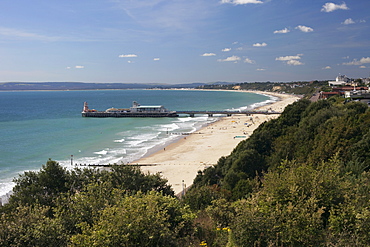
38,125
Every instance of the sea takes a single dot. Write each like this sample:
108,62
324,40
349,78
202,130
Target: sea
39,125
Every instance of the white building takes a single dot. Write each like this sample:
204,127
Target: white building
366,80
341,80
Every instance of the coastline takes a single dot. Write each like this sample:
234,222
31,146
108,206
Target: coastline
110,141
180,161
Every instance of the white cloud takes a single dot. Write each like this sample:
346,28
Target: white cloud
261,69
294,62
230,59
304,29
287,58
240,2
208,54
348,21
247,60
156,59
291,60
128,55
226,49
327,67
285,30
330,7
359,62
351,21
260,44
76,67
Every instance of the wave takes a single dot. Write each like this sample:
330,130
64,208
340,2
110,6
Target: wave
140,139
263,103
184,119
120,140
271,100
94,161
103,152
6,190
168,127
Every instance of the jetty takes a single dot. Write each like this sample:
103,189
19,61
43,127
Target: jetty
138,110
227,113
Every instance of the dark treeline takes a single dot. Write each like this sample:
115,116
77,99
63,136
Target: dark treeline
300,180
299,87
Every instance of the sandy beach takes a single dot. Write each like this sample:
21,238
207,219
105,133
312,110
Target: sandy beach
180,162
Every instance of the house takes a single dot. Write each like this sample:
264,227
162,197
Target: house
348,88
326,95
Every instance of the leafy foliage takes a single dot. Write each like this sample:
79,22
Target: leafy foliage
31,226
51,206
139,220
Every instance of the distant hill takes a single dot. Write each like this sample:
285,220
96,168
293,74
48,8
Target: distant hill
17,86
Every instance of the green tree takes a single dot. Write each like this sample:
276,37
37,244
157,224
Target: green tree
31,226
40,187
265,222
84,207
132,179
139,220
293,206
200,197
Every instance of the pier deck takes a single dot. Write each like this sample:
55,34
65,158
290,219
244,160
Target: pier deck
102,114
138,110
227,113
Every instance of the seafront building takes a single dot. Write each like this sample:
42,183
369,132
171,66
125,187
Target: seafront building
341,80
343,86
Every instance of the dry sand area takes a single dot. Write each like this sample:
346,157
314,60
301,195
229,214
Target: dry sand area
180,162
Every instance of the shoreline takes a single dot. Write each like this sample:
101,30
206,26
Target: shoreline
169,175
180,161
261,105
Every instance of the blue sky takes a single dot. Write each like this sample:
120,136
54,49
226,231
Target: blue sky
183,41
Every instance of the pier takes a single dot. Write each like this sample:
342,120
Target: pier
105,114
138,110
227,113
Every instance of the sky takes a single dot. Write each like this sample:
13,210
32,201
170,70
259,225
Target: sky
183,41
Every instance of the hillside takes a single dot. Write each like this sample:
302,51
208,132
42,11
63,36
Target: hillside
299,180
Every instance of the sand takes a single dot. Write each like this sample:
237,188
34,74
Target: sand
180,162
